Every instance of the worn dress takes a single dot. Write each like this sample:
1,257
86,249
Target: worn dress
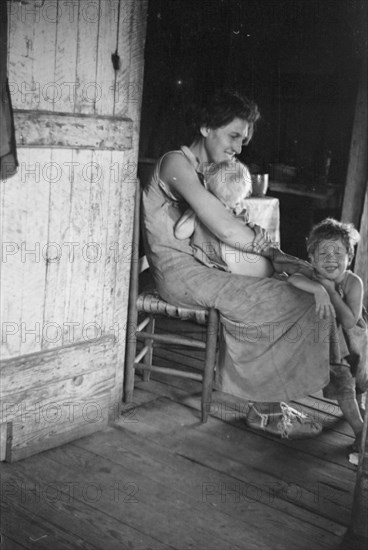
274,347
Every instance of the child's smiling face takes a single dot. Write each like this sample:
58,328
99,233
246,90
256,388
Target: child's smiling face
331,259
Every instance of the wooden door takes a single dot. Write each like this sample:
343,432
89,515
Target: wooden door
67,217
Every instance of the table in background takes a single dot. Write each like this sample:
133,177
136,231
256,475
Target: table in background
265,211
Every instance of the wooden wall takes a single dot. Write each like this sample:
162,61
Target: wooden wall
67,213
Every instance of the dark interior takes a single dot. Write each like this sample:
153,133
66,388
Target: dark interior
299,59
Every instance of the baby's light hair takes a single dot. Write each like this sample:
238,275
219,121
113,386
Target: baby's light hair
229,181
331,229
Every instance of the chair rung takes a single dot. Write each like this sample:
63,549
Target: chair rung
143,324
171,339
174,372
141,354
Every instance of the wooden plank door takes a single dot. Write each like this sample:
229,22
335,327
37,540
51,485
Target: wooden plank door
67,216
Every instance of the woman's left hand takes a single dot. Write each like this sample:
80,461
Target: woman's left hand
262,238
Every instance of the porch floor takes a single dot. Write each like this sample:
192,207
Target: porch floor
159,479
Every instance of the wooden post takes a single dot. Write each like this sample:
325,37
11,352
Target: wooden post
356,179
361,258
358,531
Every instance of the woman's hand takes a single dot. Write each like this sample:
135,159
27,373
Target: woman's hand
262,238
283,262
324,308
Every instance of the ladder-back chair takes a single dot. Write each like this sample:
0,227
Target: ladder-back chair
151,305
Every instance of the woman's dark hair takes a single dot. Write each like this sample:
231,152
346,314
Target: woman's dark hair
220,108
331,229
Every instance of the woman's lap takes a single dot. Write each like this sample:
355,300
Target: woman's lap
275,347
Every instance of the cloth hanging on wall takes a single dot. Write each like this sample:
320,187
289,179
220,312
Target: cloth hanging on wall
8,154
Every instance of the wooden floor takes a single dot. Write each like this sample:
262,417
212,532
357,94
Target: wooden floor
160,479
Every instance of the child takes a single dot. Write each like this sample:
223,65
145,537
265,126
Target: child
231,183
338,291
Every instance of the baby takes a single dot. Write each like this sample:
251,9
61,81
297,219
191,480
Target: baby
339,291
231,183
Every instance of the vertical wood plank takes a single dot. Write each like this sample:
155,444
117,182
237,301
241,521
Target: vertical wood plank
44,41
66,56
57,332
124,87
38,173
113,247
137,42
107,42
23,89
126,207
87,90
77,265
96,251
14,216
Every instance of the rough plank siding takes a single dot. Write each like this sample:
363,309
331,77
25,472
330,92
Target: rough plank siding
87,89
61,393
35,128
72,198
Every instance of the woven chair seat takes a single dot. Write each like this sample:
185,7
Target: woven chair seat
150,301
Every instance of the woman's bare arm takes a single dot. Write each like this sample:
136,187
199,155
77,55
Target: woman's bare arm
182,180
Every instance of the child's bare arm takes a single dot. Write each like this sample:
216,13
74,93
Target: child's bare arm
348,308
324,307
185,226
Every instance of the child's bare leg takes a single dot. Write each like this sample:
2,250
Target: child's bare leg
344,385
350,410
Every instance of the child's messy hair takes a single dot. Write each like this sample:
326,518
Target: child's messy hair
331,229
229,181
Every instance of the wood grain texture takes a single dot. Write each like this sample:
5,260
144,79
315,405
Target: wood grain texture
35,129
58,253
88,91
158,462
69,128
107,42
57,395
66,57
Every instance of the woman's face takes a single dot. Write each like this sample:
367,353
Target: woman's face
221,144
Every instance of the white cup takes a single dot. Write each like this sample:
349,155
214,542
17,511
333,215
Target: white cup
259,185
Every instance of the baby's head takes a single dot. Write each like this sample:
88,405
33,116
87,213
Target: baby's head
229,181
330,246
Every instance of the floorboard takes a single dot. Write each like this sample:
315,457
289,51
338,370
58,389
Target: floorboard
158,479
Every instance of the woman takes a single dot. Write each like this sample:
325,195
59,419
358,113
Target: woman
275,347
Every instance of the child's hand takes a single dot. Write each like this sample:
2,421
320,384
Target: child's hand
324,308
326,283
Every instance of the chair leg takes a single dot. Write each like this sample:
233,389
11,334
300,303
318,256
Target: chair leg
210,360
148,342
130,352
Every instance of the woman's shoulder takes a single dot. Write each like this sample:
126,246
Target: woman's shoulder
175,161
176,168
